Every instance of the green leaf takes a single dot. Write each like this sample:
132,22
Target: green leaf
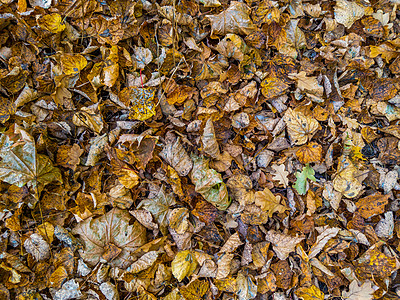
301,181
20,164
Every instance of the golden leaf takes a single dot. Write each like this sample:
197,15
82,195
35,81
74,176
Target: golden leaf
312,152
183,264
301,128
141,102
72,64
310,293
372,205
268,202
51,22
195,290
272,87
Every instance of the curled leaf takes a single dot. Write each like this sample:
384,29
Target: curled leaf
209,184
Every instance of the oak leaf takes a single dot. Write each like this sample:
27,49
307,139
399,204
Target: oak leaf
268,202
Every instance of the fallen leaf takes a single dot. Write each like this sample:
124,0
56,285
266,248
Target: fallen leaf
300,127
72,64
372,205
347,12
356,292
269,203
301,184
282,244
183,264
280,175
102,238
235,19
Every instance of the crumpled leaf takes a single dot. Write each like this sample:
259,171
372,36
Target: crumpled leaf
246,288
301,128
183,264
282,244
356,292
195,290
159,207
301,179
231,244
208,183
268,202
110,238
210,144
142,56
322,239
37,247
307,84
235,19
345,181
177,157
347,12
21,164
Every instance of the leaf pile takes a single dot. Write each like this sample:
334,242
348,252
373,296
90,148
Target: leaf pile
211,149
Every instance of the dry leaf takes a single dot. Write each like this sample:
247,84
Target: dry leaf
300,127
282,244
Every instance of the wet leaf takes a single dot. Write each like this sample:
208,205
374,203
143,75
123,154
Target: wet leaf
72,64
310,293
141,102
51,22
209,183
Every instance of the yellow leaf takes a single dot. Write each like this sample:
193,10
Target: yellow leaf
195,290
128,178
57,278
272,87
72,64
51,22
268,202
310,293
183,264
141,102
301,128
346,181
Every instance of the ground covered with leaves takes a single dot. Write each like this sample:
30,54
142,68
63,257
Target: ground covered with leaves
162,149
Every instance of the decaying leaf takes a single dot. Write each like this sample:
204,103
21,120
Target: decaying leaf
209,183
21,164
235,19
282,244
103,240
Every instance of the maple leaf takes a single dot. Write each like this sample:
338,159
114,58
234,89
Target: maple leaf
21,164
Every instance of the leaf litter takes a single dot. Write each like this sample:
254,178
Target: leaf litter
199,149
